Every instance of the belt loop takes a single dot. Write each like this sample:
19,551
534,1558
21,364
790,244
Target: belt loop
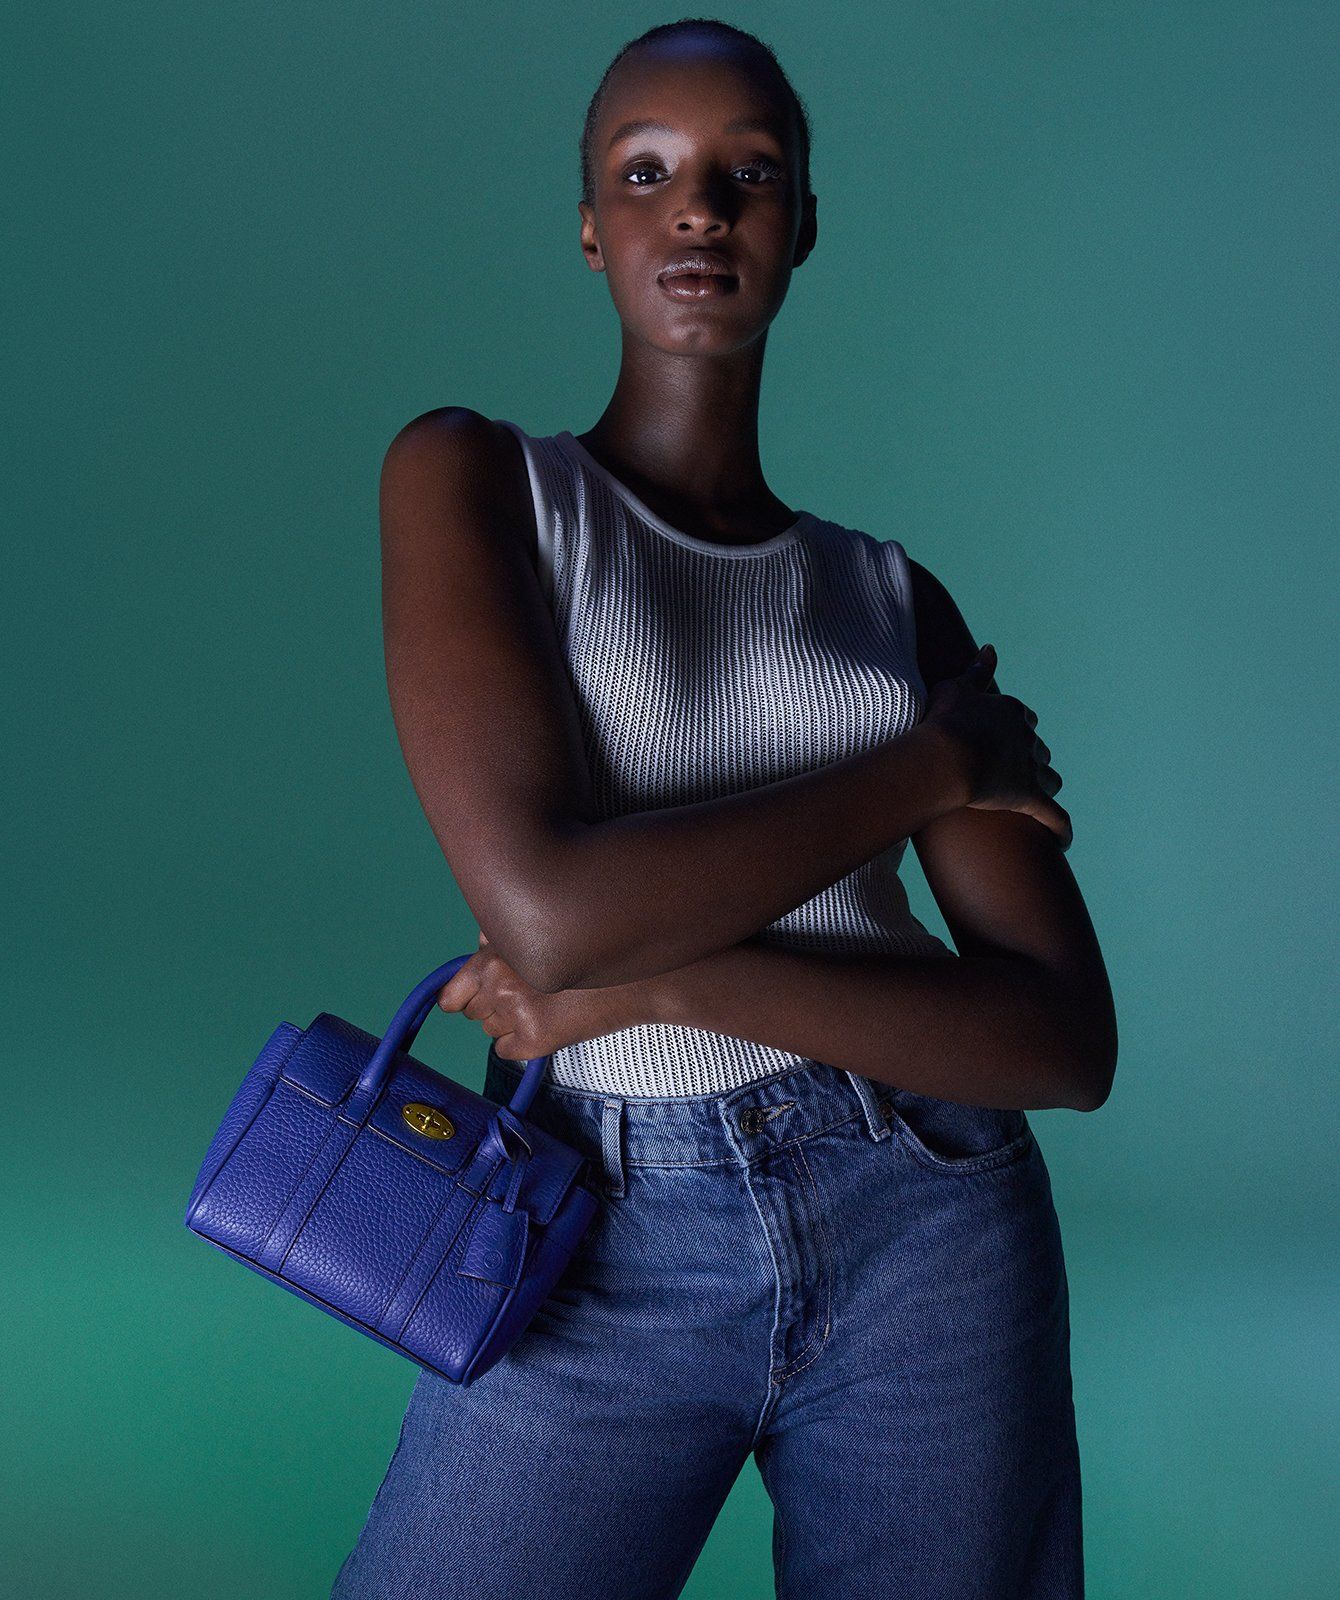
875,1121
611,1124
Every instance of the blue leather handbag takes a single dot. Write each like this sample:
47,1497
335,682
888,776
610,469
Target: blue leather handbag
424,1215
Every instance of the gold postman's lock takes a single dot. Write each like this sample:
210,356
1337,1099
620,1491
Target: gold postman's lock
428,1120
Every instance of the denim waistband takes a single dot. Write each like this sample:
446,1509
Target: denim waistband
732,1127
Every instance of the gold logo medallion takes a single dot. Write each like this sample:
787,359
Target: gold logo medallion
428,1120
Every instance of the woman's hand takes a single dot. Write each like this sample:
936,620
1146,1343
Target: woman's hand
1008,765
524,1022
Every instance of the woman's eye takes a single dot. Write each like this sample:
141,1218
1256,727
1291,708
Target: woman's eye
769,169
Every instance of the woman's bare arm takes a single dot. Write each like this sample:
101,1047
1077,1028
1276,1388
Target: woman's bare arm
990,1030
1024,1017
489,726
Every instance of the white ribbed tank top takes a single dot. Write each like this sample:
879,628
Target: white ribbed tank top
701,670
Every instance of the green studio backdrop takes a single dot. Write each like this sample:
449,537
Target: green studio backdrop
1069,332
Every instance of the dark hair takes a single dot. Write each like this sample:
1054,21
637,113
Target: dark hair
722,30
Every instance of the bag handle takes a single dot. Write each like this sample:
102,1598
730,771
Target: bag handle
400,1036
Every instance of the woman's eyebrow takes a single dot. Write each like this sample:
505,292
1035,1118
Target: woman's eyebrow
626,130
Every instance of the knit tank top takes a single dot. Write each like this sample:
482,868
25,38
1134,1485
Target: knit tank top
701,670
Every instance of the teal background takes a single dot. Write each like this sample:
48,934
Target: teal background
1069,332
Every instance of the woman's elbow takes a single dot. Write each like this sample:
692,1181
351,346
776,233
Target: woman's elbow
1084,1038
1091,1094
537,939
551,957
531,906
533,953
1093,1076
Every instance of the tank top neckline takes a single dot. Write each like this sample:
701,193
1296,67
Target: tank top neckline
762,547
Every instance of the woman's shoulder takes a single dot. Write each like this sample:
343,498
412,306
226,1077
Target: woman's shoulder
945,645
458,438
455,453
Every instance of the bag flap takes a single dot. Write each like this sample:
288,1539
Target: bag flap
326,1062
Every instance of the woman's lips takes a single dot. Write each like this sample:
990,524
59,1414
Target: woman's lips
697,285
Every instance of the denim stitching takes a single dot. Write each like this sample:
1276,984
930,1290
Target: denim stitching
989,1159
812,1133
792,1370
611,1148
779,1555
828,1243
774,1390
774,1252
695,1166
798,1363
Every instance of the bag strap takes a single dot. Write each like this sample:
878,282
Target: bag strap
400,1036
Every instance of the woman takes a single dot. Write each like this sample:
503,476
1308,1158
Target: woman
673,736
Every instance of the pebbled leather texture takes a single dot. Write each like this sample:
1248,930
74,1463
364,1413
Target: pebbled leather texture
440,1248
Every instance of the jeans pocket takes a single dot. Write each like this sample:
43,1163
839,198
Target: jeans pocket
949,1137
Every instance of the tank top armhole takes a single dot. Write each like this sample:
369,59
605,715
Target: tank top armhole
544,511
907,616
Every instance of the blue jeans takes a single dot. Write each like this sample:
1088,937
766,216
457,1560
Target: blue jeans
861,1287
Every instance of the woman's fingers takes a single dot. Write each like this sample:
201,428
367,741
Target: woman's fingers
481,1006
982,665
1053,817
458,991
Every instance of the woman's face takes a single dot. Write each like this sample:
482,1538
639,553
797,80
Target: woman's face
712,166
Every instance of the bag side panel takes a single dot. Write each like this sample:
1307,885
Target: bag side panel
251,1095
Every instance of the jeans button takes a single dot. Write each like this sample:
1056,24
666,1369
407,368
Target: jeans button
749,1120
